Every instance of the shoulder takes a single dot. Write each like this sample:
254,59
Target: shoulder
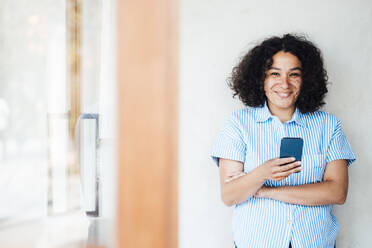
321,118
243,115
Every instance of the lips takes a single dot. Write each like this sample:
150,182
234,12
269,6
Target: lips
283,94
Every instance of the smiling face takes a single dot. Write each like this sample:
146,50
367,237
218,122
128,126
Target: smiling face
283,82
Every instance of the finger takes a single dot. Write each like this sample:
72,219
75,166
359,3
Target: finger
283,168
290,166
282,174
296,169
278,179
280,161
287,173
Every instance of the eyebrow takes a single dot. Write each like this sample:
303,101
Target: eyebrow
292,69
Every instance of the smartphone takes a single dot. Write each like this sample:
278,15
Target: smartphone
291,147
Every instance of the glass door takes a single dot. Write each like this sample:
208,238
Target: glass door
57,123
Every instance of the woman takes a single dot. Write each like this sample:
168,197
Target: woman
280,202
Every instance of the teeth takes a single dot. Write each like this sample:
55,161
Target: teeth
283,94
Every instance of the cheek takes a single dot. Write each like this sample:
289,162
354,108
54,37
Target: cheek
268,84
298,85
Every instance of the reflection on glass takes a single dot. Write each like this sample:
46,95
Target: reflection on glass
58,137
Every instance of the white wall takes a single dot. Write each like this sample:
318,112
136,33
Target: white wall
214,34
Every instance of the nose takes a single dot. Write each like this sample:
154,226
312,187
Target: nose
284,82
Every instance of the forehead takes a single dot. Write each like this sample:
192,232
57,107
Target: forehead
285,60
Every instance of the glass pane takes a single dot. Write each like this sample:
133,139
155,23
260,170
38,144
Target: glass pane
57,123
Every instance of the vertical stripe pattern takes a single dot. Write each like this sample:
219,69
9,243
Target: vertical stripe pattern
252,136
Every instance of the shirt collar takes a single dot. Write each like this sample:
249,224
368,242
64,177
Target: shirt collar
263,114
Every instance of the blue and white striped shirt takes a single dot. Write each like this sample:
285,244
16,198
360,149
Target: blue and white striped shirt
252,136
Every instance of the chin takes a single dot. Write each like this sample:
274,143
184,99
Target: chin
286,104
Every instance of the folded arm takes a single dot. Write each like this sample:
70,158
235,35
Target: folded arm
237,186
332,190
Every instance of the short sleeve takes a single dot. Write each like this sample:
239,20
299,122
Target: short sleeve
229,143
339,147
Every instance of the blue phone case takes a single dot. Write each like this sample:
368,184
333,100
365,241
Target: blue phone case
291,147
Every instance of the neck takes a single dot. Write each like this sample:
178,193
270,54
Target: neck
284,114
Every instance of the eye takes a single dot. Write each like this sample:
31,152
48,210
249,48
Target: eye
295,74
275,74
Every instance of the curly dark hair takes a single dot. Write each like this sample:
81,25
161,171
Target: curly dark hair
247,78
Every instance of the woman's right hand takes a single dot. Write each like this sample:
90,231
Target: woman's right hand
277,169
